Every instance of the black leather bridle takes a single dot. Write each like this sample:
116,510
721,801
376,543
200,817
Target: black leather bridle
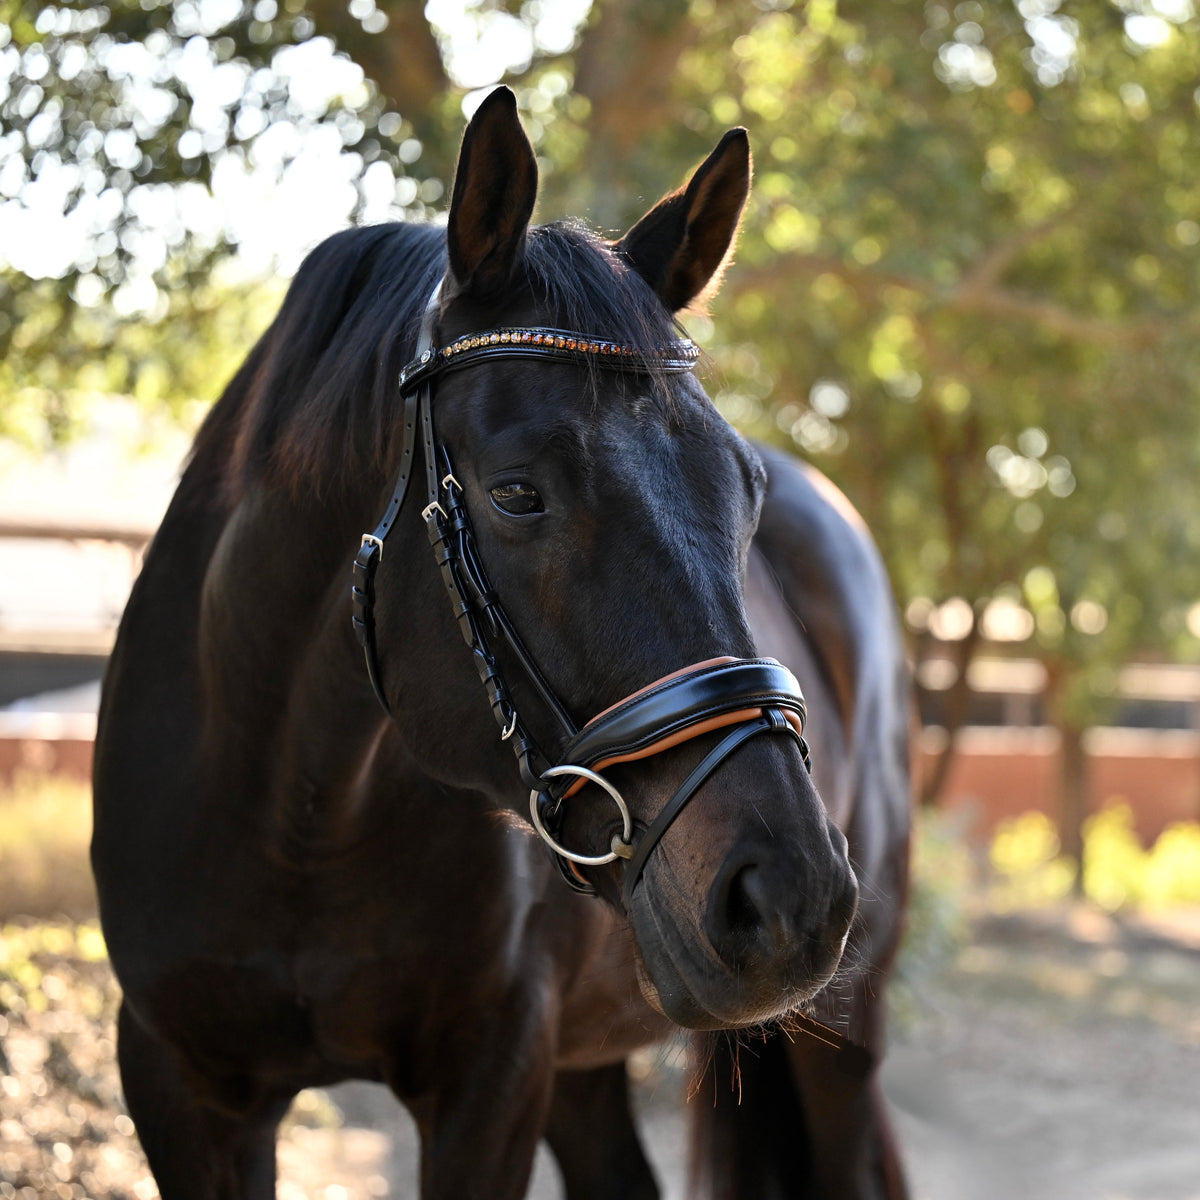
741,697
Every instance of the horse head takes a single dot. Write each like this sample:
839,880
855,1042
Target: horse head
609,509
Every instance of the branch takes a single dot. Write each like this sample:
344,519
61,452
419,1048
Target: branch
990,268
990,301
1066,323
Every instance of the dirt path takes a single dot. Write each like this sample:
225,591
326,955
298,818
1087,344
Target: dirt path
1058,1059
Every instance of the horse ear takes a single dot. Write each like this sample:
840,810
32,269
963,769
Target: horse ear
494,191
681,246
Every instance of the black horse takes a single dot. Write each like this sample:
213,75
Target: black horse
299,887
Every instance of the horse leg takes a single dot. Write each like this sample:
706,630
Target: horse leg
851,1142
481,1121
592,1134
194,1152
791,1119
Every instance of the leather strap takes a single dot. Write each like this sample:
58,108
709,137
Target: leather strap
416,386
654,716
772,721
751,695
370,553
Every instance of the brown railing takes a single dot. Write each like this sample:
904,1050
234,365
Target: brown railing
135,537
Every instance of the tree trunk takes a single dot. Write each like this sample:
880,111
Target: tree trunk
405,63
1073,802
625,69
1072,766
958,699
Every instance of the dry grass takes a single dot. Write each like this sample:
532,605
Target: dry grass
45,827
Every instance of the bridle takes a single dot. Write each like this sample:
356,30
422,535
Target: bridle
743,698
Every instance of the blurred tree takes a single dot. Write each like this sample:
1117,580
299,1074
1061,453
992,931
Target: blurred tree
970,292
967,288
137,137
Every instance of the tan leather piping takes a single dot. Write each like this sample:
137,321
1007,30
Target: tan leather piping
675,739
681,735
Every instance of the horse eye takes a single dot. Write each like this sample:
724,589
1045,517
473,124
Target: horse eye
517,499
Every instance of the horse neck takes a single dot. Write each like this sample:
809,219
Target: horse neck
280,666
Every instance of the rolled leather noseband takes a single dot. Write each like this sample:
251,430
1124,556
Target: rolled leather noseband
746,696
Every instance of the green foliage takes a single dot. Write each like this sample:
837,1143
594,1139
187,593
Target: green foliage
968,289
67,353
1027,869
938,919
1118,873
129,134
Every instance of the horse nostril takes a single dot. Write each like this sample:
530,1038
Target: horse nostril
750,920
758,916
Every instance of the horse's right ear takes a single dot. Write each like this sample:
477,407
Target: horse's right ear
494,192
682,245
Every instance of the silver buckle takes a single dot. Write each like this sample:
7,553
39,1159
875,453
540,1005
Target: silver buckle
369,539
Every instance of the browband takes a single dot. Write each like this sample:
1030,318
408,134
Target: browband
563,345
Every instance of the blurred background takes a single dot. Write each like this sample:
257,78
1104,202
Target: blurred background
967,288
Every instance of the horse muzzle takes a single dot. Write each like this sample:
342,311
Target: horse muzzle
769,936
767,931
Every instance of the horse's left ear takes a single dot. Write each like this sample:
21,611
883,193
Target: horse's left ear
680,247
494,192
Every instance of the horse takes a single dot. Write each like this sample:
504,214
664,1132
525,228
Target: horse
331,841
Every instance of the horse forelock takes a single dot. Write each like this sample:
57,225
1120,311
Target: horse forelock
316,403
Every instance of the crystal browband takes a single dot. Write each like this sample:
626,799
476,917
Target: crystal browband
681,354
559,339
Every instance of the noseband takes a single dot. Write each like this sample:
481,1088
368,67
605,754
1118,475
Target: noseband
740,697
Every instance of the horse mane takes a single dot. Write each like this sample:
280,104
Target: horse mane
316,402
